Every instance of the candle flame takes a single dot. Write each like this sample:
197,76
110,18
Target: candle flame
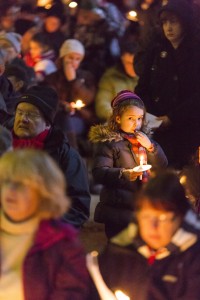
78,104
73,4
121,296
132,15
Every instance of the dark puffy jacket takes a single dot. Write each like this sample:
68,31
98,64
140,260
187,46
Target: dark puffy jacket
112,154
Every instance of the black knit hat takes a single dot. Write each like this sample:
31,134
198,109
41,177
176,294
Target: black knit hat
44,98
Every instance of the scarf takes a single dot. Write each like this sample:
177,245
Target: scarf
136,146
36,142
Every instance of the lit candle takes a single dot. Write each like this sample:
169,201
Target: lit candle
132,15
141,160
78,104
141,164
93,267
121,296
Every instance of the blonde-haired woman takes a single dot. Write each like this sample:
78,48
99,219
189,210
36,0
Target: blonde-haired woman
41,258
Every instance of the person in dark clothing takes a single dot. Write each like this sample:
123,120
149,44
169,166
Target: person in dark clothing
169,84
73,83
157,256
33,128
118,148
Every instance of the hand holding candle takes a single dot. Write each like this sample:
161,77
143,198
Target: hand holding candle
78,104
143,162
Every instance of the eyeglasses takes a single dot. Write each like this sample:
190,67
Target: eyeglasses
27,114
162,219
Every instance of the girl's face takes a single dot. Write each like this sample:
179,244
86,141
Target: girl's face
35,49
131,119
19,201
73,59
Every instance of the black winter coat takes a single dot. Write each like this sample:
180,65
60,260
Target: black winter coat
169,86
75,173
112,154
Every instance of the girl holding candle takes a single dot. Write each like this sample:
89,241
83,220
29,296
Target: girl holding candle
116,153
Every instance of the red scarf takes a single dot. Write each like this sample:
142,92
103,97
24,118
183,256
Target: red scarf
136,147
36,142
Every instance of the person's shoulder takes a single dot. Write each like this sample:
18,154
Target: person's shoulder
57,139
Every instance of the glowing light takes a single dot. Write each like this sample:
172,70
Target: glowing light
78,104
44,3
73,4
132,15
121,296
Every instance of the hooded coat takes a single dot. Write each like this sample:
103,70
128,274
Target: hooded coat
113,153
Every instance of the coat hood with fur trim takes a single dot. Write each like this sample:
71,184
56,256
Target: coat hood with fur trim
102,133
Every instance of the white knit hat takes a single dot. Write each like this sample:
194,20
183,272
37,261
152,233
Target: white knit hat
14,39
72,45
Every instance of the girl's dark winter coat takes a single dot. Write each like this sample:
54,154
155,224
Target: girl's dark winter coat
112,154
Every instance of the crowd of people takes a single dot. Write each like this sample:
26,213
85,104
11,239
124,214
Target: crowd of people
77,88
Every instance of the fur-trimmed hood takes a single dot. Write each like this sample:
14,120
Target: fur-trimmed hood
102,133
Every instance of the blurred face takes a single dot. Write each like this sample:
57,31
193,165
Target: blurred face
52,24
35,49
172,27
131,119
9,50
156,226
19,202
73,59
29,122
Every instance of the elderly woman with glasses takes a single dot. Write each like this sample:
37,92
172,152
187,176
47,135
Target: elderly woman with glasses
157,257
41,258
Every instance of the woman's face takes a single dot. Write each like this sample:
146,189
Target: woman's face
172,27
131,119
19,201
73,60
52,24
156,226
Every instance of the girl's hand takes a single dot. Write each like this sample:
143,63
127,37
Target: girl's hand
143,139
130,175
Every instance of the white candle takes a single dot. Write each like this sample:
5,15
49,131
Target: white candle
93,267
141,163
121,296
